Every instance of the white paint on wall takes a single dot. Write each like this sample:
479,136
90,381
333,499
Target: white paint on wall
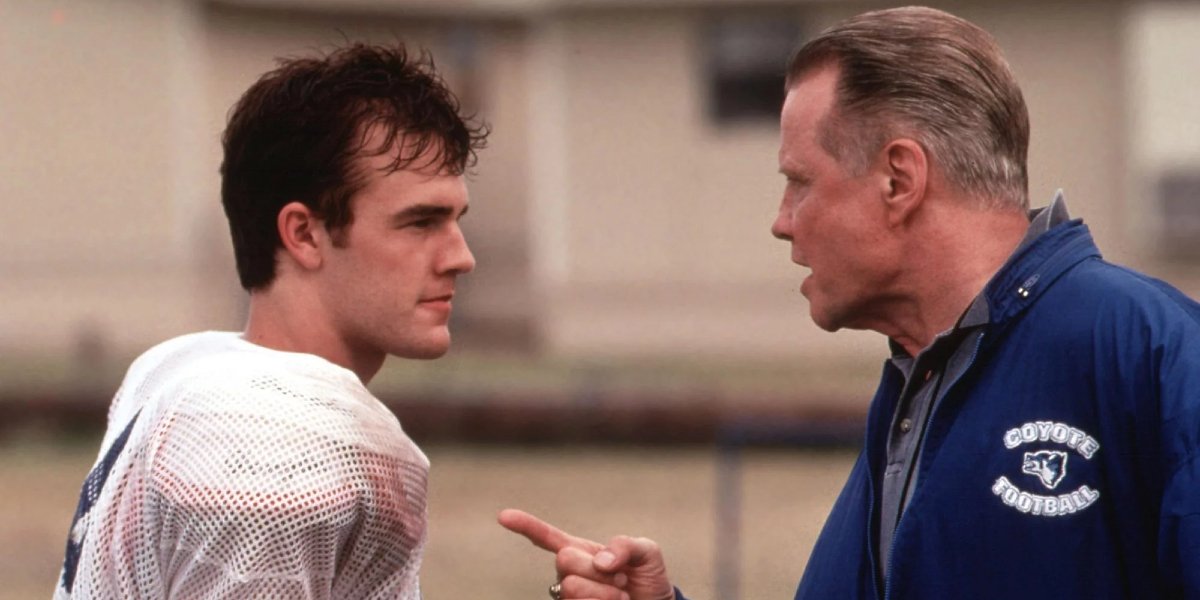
550,197
1163,66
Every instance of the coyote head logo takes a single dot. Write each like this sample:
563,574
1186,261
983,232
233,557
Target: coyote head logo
1048,465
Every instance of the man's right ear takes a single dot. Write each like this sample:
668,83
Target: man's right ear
302,233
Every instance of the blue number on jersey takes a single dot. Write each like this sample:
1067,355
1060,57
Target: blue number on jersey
87,497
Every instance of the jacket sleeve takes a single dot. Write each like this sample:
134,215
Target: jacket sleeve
1179,414
1179,531
839,566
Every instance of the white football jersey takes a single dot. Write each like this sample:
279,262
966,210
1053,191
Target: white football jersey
230,470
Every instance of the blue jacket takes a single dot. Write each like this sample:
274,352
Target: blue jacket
1061,465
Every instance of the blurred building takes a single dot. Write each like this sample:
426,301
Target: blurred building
624,203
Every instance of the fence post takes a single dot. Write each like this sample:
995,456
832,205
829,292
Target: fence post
729,516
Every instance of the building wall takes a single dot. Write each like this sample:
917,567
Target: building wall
610,214
668,248
97,241
1164,122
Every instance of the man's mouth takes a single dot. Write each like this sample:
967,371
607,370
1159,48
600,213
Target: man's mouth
439,302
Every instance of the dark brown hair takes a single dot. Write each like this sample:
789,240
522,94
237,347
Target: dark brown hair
298,132
926,74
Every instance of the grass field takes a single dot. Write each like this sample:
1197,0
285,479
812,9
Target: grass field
663,493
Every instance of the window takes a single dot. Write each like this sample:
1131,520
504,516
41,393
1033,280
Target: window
1179,198
746,59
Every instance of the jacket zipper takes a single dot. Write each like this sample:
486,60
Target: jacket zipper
887,582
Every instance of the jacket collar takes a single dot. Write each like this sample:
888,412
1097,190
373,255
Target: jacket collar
1038,262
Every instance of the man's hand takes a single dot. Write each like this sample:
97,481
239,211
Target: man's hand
627,569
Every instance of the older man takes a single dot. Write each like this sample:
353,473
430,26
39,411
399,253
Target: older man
1035,432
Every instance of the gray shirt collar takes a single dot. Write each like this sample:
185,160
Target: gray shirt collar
1041,220
1044,219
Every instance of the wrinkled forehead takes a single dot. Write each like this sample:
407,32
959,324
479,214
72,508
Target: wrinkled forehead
808,103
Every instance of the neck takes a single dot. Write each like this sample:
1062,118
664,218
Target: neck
282,317
954,252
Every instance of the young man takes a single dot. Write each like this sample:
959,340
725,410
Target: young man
1036,431
257,464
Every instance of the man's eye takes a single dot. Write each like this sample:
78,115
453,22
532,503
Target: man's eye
423,223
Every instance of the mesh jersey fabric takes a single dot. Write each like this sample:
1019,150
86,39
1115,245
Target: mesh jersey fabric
229,470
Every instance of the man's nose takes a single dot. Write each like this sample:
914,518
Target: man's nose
459,258
781,229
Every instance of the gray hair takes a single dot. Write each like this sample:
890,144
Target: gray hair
926,74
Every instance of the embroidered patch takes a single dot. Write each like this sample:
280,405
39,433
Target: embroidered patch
1049,467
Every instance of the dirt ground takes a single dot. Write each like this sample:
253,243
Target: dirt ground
666,494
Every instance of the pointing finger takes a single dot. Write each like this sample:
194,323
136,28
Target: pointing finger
542,534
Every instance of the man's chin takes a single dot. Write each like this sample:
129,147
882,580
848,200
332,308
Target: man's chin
430,352
830,327
433,346
823,319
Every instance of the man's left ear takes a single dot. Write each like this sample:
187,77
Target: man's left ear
906,168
